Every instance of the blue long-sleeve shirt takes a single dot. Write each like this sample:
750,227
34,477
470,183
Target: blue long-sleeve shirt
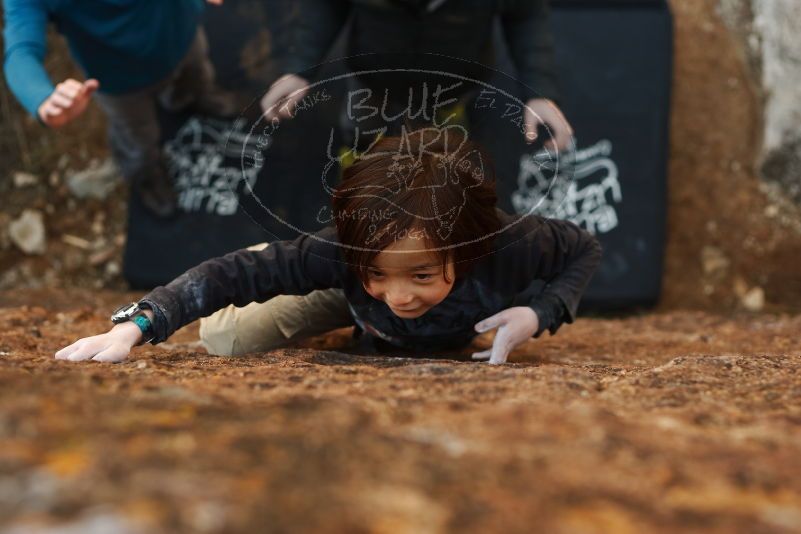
125,44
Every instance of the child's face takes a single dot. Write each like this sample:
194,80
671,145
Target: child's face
410,283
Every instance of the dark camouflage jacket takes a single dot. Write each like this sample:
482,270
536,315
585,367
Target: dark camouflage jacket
454,28
542,263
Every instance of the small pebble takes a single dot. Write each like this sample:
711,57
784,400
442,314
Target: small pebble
28,232
25,179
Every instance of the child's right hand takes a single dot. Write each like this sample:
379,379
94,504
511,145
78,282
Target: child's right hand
113,346
66,102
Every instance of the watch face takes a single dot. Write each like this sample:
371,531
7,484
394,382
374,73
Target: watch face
123,313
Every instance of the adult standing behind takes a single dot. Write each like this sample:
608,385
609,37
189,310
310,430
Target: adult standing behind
133,54
415,28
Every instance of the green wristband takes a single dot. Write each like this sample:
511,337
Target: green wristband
145,326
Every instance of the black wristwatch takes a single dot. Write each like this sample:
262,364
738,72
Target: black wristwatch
134,313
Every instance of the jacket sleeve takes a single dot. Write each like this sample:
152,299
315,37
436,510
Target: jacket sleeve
25,37
561,255
527,31
239,278
308,32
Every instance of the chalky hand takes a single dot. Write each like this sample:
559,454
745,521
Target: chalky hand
515,326
113,346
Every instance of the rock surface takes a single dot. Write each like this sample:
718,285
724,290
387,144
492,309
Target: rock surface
678,422
769,37
719,201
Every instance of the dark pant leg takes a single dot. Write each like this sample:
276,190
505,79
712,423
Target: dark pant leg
194,83
134,133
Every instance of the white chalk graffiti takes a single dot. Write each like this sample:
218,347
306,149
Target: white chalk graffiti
203,161
585,192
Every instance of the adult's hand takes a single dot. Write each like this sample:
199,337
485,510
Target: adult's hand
68,101
283,96
543,111
515,326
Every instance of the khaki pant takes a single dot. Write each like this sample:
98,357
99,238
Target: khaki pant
263,326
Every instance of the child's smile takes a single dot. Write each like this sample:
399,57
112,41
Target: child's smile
409,280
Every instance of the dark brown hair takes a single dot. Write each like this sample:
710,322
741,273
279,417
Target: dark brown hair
432,184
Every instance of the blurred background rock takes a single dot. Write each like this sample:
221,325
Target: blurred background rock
734,229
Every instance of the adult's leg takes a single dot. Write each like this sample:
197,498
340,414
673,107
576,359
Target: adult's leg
134,136
194,83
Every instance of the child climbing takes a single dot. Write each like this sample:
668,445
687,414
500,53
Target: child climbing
419,259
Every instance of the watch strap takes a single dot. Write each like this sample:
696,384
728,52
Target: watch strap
145,326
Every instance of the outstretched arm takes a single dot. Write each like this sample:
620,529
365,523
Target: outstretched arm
292,268
283,268
557,252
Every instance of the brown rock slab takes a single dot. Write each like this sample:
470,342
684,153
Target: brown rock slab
668,422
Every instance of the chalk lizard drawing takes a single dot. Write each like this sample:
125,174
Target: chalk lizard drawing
467,171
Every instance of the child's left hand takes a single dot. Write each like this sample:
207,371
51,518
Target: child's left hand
515,325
